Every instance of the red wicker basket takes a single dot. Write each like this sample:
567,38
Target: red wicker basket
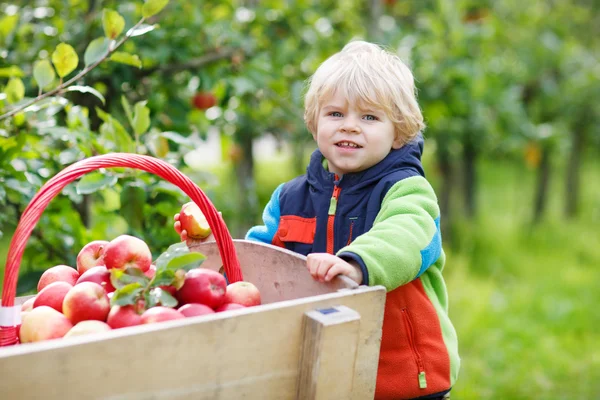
10,315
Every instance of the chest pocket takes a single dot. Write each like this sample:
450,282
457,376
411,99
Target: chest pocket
353,228
297,233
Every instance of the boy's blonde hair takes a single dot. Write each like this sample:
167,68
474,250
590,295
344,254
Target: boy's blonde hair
368,75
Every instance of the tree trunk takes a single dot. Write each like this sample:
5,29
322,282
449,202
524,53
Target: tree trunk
572,176
247,198
470,177
543,183
445,165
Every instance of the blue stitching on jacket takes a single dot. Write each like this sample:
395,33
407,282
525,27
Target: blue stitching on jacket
432,252
271,214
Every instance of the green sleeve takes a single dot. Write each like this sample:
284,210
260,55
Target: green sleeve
405,239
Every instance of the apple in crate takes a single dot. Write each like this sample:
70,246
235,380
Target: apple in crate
91,255
123,316
127,251
193,221
28,304
202,286
88,300
100,275
52,295
159,314
244,293
43,323
195,309
58,273
87,327
229,306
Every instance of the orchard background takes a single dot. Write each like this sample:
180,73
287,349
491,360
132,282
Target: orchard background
509,89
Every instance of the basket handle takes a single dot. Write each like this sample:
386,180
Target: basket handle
54,186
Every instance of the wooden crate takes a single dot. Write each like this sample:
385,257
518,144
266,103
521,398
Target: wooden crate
307,341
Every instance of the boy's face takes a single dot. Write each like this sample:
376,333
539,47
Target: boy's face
353,138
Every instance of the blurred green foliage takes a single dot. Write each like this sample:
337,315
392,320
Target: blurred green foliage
509,90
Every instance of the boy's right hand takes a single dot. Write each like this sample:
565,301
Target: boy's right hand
184,236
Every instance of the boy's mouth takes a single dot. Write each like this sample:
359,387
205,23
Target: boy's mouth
348,144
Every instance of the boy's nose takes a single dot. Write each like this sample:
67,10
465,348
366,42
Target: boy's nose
350,125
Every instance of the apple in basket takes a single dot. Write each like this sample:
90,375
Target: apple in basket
84,301
99,275
244,293
127,251
193,221
58,273
43,323
87,327
52,295
204,286
91,255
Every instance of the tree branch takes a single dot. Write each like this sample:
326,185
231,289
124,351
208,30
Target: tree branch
201,61
80,75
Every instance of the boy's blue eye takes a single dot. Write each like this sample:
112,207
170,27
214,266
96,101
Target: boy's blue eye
370,118
335,114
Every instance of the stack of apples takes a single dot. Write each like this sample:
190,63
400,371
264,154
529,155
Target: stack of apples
98,295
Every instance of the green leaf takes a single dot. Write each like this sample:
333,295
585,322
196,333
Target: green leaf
173,251
113,132
43,73
12,71
133,198
162,297
163,277
127,108
15,90
95,181
158,145
97,49
65,59
126,295
177,138
87,89
7,24
141,118
122,278
141,30
186,262
113,23
126,58
153,7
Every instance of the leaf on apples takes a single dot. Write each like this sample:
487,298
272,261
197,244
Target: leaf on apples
65,59
113,23
153,7
43,73
163,277
123,278
159,296
95,50
127,295
173,251
186,262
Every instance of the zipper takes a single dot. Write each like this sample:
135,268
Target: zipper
331,217
411,341
350,233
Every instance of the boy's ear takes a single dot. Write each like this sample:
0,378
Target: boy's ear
397,143
314,135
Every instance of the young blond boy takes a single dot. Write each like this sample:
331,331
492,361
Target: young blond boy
365,210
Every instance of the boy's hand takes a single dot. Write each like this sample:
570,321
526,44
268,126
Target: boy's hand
183,233
324,267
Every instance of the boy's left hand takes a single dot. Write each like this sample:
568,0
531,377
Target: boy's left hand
324,267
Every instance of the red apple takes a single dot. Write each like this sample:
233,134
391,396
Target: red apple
229,306
88,300
123,316
52,295
159,314
204,100
28,304
99,275
43,323
151,271
244,293
203,286
87,327
58,273
91,255
193,221
195,309
127,251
